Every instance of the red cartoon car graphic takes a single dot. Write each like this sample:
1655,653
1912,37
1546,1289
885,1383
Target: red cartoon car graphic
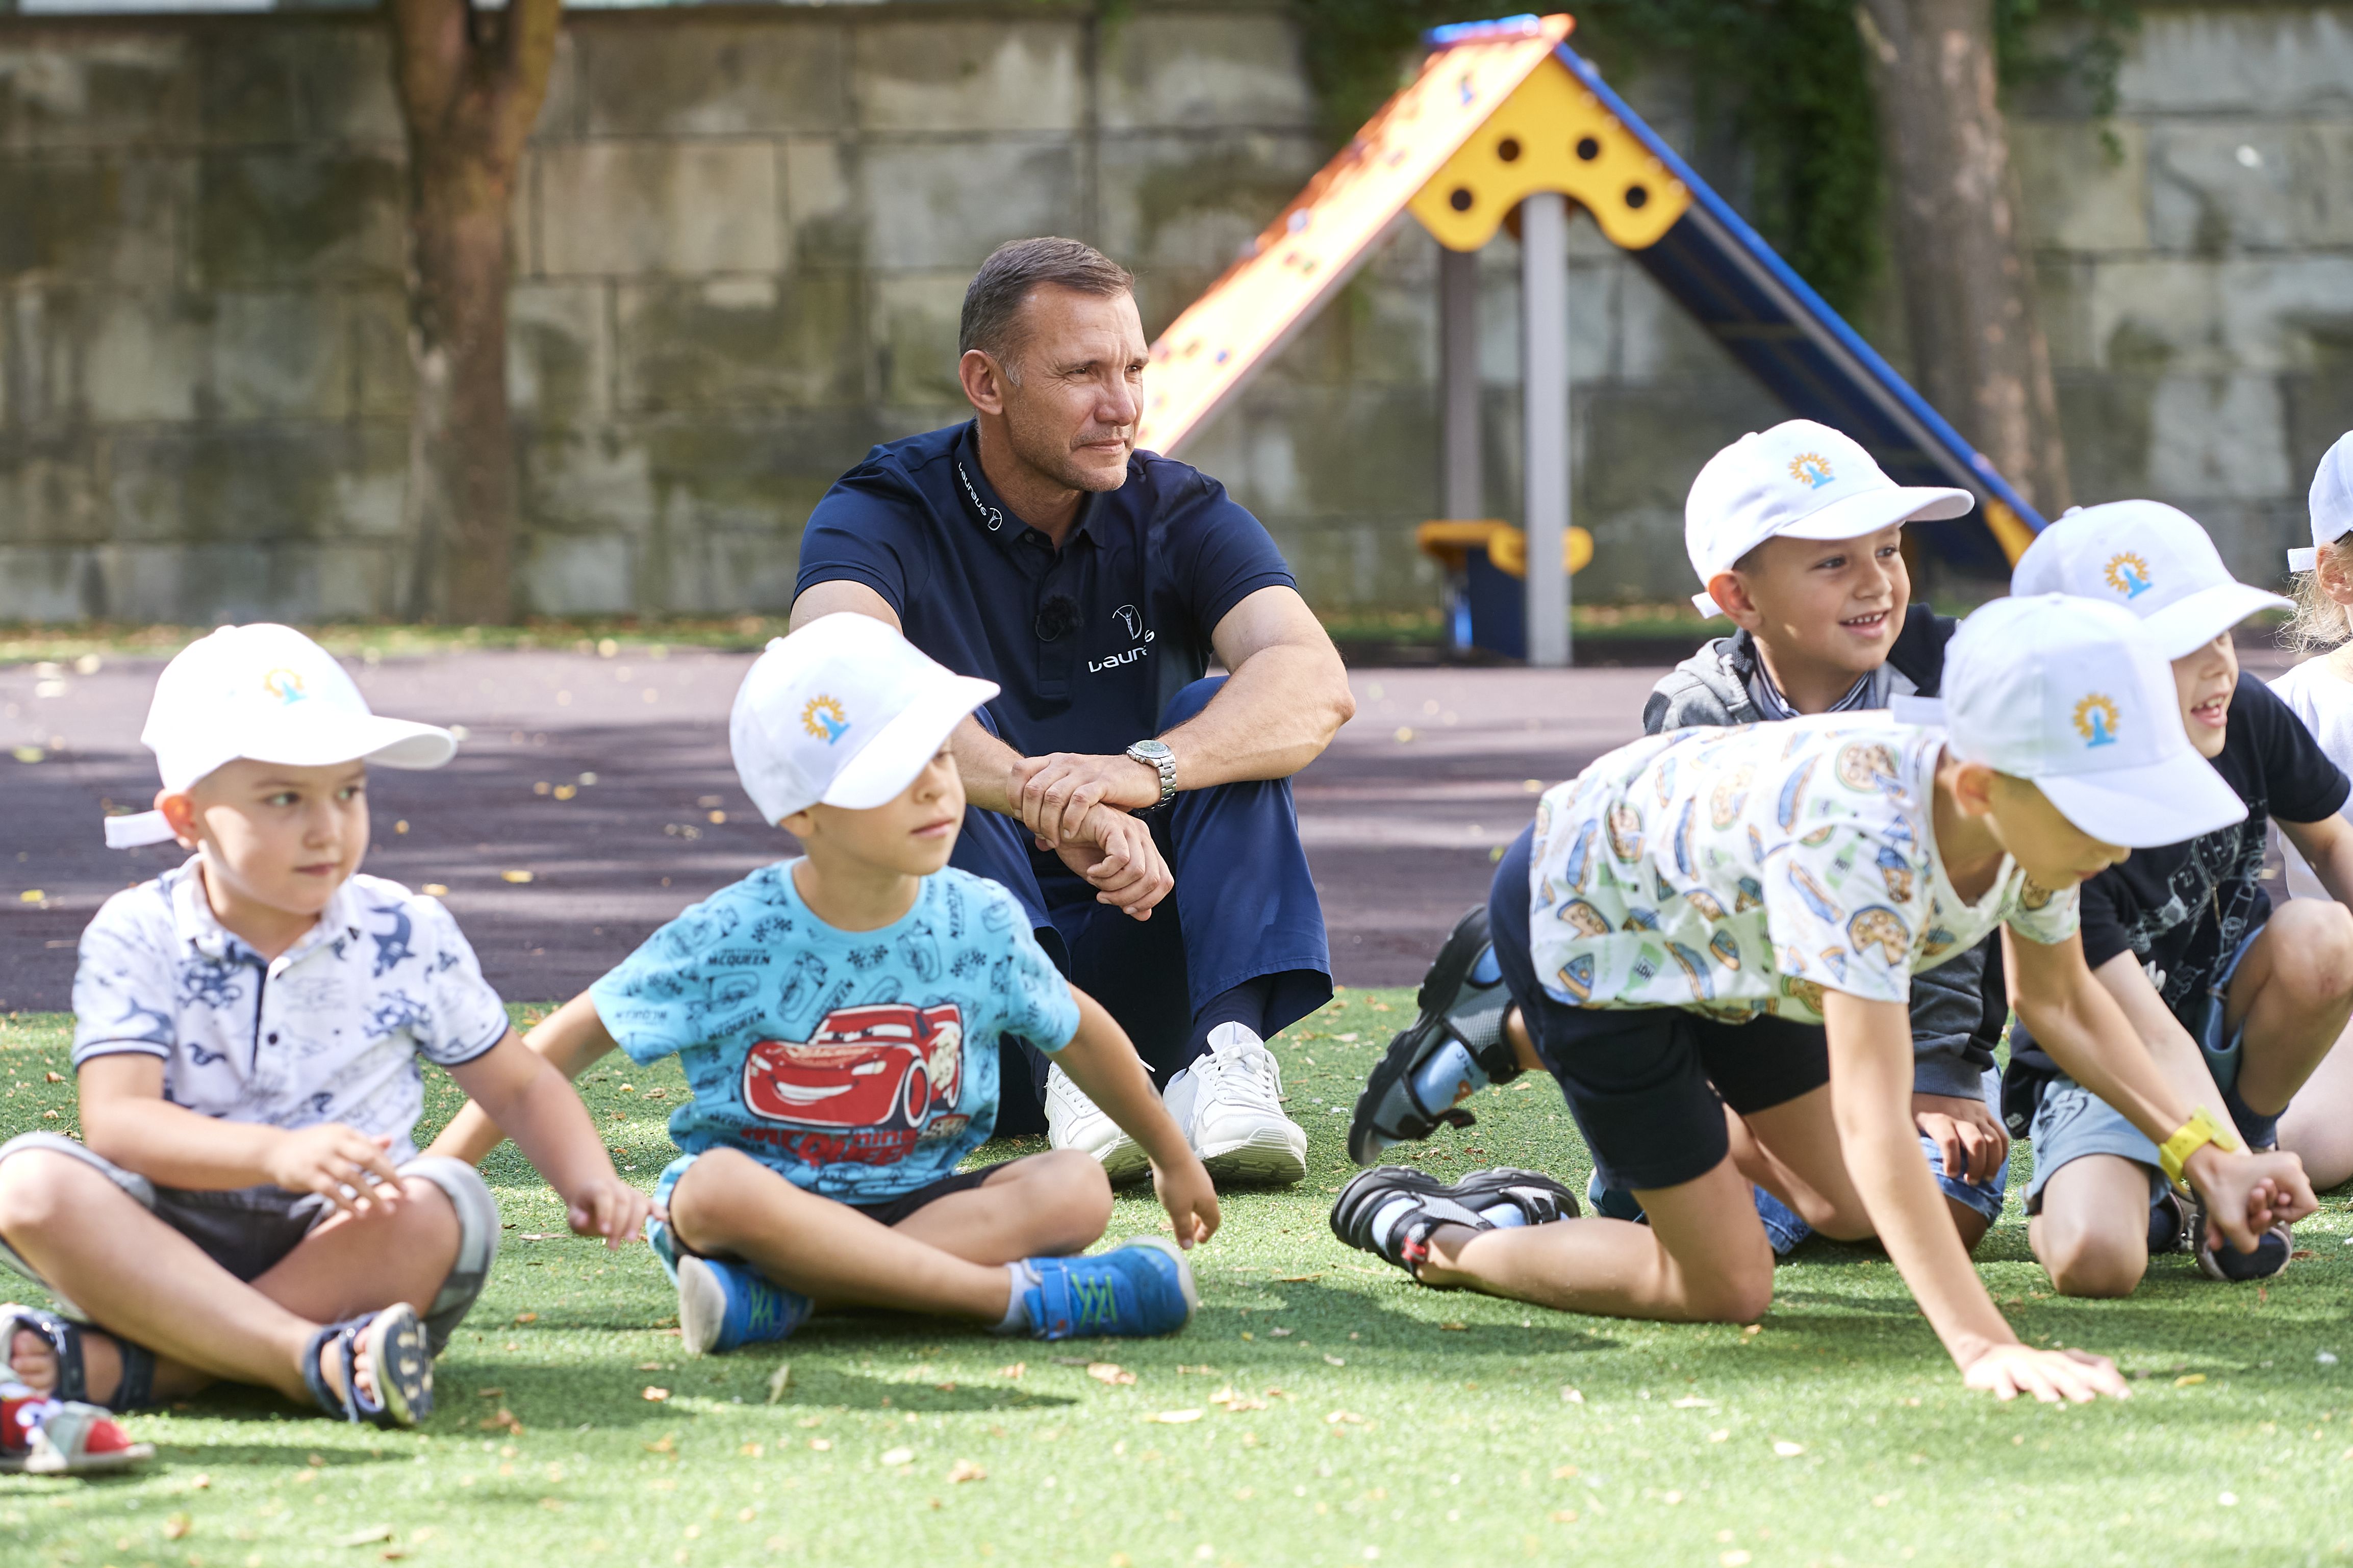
890,1064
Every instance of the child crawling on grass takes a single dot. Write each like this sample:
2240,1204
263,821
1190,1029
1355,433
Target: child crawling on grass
837,1016
245,1203
1682,911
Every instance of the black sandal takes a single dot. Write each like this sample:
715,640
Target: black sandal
395,1342
134,1390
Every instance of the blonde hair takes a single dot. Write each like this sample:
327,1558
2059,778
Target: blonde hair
2319,622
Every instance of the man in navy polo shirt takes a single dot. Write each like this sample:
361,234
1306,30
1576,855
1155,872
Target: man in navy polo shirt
1035,547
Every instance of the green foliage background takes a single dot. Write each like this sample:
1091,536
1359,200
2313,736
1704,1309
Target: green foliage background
1784,79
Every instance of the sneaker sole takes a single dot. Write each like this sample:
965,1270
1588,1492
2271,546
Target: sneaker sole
1443,979
1185,1283
1262,1157
1125,1161
702,1306
1370,1186
400,1367
1494,1182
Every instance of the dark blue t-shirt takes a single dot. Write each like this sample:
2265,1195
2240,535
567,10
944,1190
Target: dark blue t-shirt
1089,641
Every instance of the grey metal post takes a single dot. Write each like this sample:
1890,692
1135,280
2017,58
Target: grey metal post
1544,360
1457,381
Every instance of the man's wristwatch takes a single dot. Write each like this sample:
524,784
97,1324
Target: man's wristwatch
1156,756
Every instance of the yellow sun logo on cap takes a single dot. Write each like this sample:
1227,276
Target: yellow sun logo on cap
825,719
1810,469
2097,721
284,685
2127,573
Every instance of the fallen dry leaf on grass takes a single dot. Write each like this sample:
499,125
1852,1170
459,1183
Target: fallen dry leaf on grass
655,1395
1692,1404
1788,1449
779,1380
1109,1371
1453,1328
368,1537
514,875
964,1470
1174,1417
490,1394
60,1078
899,1456
177,1527
522,1318
1345,1418
1571,1396
1017,1372
504,1421
2190,1380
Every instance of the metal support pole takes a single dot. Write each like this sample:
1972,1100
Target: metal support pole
1457,381
1544,360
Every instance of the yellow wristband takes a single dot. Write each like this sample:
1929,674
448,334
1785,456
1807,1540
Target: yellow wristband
2191,1136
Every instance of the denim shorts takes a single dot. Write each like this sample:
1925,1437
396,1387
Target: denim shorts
2072,1121
1985,1196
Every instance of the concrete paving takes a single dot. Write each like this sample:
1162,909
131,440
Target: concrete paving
1401,817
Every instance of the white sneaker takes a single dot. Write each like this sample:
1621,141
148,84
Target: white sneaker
1074,1122
1230,1105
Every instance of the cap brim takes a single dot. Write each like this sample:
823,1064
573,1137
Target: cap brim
888,762
2188,625
1853,516
325,738
2169,802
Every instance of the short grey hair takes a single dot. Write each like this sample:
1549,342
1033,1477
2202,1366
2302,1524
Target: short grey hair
992,302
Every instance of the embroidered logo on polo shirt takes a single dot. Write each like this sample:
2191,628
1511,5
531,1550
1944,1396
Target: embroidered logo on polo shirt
1132,618
824,719
992,518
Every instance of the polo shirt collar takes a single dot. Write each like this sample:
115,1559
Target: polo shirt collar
987,509
195,925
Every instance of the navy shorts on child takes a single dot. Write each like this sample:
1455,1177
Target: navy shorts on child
861,1066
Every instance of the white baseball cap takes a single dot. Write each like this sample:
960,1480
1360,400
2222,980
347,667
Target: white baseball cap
1801,479
845,712
2148,558
2076,696
269,693
2332,503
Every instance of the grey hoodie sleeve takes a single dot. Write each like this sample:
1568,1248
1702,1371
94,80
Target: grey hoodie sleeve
1948,1007
1701,691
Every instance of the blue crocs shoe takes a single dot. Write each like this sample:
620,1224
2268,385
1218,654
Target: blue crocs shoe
1142,1287
723,1305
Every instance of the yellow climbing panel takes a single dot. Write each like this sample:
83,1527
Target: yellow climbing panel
1490,120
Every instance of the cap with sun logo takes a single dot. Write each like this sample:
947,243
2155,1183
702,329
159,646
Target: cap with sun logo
2152,560
2076,696
845,712
1798,478
269,693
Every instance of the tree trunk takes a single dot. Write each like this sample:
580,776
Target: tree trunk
471,84
1978,350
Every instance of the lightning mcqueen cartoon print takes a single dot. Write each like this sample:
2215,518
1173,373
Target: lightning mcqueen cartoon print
888,1066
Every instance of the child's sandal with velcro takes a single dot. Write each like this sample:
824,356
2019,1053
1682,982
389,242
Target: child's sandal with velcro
398,1364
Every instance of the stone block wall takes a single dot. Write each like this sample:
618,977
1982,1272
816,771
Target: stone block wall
743,236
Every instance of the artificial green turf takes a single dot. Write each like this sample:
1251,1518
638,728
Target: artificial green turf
1370,1421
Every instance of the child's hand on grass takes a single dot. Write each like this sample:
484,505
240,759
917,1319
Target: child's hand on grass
610,1207
343,1164
1191,1198
2078,1376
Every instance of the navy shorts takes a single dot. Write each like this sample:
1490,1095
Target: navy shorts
1648,1086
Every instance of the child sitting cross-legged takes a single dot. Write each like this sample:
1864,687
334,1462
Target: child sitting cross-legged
247,1203
839,1017
1685,910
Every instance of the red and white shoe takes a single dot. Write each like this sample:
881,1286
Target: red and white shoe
45,1437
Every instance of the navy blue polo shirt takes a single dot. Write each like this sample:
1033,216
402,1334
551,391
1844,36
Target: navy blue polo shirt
1090,641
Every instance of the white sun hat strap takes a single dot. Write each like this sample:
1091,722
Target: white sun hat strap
137,829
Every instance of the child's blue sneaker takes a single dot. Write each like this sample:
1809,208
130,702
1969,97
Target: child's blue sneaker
723,1305
1142,1287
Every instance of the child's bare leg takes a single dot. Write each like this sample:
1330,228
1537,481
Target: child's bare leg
1792,1151
2319,1126
2092,1237
2291,995
139,1277
1702,1258
1042,1205
730,1206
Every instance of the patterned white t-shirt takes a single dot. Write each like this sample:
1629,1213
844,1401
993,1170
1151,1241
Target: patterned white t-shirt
327,1031
1745,870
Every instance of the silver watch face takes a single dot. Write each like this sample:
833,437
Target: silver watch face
1149,750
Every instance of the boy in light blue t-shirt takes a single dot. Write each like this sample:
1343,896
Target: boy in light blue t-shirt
838,1017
